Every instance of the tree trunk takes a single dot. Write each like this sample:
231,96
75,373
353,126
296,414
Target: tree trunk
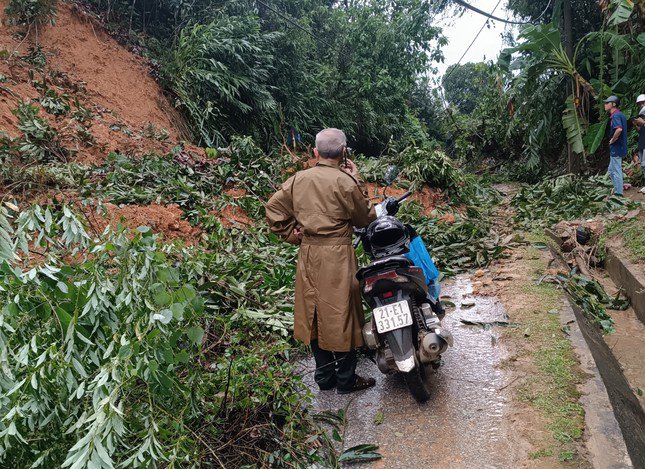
568,28
568,47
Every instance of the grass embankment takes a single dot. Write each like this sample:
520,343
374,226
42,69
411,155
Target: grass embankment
541,349
630,234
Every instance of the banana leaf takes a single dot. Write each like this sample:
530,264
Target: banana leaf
594,136
573,126
622,13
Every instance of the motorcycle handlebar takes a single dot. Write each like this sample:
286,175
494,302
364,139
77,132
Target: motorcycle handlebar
359,231
404,196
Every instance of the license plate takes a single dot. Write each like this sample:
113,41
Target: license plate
394,316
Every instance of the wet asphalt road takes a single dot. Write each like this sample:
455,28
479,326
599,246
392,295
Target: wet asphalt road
464,423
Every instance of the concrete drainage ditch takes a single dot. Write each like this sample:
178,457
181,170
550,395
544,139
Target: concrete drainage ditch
627,407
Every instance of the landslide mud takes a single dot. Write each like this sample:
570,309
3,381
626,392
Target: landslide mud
465,422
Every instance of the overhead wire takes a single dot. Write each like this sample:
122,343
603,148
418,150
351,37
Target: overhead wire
473,42
497,18
446,109
490,16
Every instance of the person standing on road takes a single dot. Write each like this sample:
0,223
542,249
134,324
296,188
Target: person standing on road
317,209
617,143
639,123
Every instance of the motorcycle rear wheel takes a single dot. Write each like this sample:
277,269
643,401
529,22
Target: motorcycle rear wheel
416,384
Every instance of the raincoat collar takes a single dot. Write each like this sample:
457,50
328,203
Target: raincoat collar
332,162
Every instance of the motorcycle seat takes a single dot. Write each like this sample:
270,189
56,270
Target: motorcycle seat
383,264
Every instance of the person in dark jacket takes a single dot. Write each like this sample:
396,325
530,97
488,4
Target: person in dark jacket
617,143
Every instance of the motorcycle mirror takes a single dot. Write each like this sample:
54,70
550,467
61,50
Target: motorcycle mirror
391,173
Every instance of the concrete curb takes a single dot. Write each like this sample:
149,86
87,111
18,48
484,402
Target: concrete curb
629,277
613,414
626,407
605,442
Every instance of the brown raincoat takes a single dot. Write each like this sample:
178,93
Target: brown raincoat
326,202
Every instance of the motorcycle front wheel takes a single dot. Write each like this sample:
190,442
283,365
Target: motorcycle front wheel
416,384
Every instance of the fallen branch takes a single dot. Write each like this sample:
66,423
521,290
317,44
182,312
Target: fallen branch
488,324
582,266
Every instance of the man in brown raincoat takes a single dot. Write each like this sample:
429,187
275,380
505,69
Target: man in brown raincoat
317,209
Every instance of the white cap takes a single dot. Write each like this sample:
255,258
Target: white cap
640,98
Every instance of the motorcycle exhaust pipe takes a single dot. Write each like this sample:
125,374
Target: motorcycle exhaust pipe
369,337
432,345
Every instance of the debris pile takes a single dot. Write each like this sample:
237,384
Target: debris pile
579,239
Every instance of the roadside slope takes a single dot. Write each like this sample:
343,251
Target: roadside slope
115,78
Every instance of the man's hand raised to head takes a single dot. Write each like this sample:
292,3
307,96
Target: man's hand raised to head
350,168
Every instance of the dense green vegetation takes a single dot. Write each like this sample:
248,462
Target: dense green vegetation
119,348
141,352
545,91
565,198
293,66
133,351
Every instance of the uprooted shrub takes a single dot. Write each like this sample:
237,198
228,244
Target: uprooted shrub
424,164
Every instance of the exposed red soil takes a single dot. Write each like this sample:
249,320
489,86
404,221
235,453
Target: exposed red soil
115,78
235,192
164,219
129,113
429,198
232,215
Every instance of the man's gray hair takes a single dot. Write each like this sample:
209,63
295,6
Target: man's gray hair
330,142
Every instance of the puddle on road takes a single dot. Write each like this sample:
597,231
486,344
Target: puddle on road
464,423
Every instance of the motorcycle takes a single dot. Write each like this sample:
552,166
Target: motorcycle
405,327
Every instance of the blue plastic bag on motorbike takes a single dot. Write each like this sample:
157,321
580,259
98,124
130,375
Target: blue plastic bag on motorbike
421,258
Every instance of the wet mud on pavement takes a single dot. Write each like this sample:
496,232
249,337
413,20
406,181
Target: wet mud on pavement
464,424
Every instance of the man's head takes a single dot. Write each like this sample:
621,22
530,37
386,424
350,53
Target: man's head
641,100
611,103
330,143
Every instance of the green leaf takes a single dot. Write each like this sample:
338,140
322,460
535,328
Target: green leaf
164,316
641,39
64,317
360,453
195,334
572,125
182,357
185,293
162,298
594,136
145,231
622,13
178,311
125,351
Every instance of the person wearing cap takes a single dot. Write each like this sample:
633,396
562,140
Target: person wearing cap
317,208
639,123
617,143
